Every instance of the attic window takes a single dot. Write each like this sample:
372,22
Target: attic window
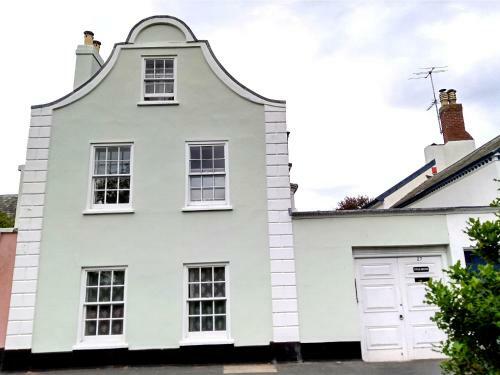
159,79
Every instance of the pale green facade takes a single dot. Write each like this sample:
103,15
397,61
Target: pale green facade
157,239
324,246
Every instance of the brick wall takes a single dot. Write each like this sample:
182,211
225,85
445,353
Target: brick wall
452,122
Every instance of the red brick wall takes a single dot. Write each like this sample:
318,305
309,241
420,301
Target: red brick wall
452,122
7,256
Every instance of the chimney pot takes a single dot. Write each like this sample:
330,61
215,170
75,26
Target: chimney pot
97,45
88,38
452,96
443,97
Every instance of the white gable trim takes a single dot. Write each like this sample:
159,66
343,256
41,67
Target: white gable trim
159,20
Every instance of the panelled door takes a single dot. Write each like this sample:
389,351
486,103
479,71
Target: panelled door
395,321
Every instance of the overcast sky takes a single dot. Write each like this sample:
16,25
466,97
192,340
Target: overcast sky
358,125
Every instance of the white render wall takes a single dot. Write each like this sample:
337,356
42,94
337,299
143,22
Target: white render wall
477,188
283,280
29,220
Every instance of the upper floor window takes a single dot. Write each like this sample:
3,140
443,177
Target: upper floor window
207,174
111,180
159,79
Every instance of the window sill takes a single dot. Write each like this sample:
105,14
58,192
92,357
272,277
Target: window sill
207,341
101,345
207,208
157,102
104,211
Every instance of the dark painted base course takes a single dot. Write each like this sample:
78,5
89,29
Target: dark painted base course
189,355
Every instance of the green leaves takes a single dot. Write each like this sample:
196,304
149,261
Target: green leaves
469,306
6,221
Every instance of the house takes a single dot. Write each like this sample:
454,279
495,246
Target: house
8,237
156,225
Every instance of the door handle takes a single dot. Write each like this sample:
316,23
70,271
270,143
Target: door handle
401,317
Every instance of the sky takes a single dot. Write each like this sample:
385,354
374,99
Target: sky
358,125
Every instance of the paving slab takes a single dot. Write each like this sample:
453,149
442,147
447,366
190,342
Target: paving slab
427,367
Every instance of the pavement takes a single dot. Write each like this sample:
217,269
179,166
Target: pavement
426,367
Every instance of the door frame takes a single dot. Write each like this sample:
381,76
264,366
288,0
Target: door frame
392,252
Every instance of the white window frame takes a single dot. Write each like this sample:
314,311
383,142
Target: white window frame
100,342
207,337
142,100
93,208
207,205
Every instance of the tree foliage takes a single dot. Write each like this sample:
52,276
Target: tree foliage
469,305
353,203
6,221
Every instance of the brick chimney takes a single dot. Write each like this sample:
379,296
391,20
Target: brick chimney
457,142
452,117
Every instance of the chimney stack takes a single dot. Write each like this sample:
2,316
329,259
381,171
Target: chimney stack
452,117
88,60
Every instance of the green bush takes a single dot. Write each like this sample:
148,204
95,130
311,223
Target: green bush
6,221
469,306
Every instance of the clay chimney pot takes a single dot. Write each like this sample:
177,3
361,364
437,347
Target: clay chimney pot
88,38
443,97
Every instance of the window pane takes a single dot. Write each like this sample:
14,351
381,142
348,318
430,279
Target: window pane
206,152
207,323
195,152
99,197
208,181
206,290
207,165
208,194
194,308
220,323
90,328
194,291
169,63
206,274
169,87
112,153
219,273
91,312
100,153
117,327
103,327
125,153
112,167
111,197
100,167
219,290
99,183
125,167
118,277
207,307
104,311
220,181
219,165
150,64
105,278
118,311
91,295
194,274
195,195
104,294
118,292
194,165
219,152
149,87
92,278
220,307
112,182
220,194
195,181
124,183
194,324
159,87
124,196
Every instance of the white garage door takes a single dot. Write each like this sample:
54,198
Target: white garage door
395,320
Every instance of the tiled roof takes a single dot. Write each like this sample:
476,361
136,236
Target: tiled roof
481,155
8,204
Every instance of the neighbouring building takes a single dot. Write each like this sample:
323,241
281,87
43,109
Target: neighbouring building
156,223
